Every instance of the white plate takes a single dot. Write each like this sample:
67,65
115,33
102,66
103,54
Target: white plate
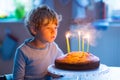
97,72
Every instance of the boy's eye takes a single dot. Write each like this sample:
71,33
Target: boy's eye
48,28
51,28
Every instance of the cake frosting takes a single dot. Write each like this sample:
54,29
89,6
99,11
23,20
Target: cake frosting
77,61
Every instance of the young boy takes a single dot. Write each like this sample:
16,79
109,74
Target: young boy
33,57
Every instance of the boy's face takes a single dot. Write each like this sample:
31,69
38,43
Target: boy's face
47,33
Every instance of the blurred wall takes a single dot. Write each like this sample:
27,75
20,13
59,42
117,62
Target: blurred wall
17,30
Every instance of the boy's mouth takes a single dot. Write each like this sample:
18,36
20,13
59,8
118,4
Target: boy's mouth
53,36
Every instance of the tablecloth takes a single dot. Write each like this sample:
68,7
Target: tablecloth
107,73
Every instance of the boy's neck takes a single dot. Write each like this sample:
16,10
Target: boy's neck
38,44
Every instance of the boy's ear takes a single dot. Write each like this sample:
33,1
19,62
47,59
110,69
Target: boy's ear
33,30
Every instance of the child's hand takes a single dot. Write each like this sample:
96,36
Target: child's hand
54,75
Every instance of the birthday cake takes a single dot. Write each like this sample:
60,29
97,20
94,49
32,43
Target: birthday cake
77,61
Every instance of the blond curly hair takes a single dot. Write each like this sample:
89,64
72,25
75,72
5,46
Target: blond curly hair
41,16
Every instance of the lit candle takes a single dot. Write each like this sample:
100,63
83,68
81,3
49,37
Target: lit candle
88,36
67,41
82,43
79,47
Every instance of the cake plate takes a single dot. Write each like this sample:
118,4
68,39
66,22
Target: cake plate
97,74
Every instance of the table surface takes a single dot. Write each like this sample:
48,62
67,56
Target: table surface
105,72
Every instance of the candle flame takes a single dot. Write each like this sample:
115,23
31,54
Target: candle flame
67,34
87,36
79,33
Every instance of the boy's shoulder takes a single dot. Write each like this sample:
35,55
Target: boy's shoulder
54,44
23,45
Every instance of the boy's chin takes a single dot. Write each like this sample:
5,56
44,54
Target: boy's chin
51,41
